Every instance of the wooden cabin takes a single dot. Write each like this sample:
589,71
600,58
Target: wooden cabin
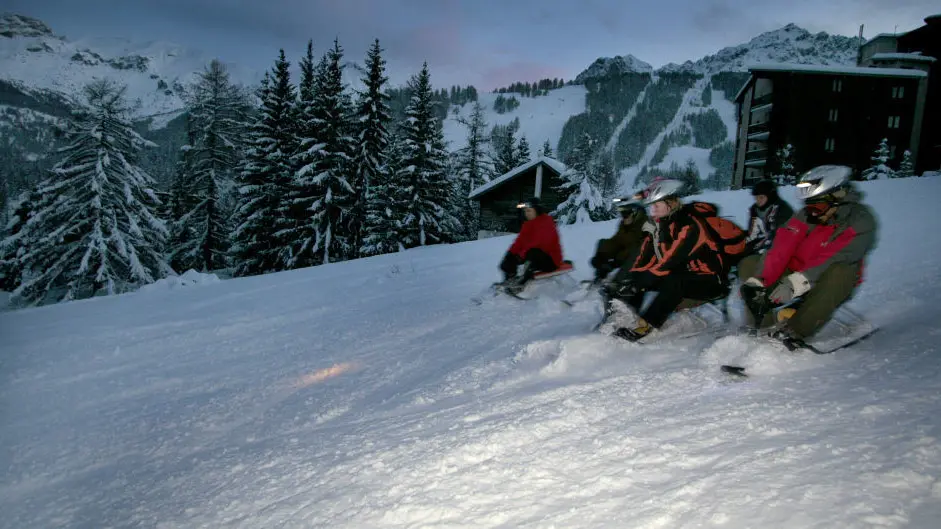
498,198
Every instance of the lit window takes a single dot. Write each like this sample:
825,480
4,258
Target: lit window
830,145
834,113
837,85
894,122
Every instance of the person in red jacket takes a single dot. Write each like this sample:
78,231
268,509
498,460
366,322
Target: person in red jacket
537,246
817,256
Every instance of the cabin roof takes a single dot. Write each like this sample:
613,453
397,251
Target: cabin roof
551,163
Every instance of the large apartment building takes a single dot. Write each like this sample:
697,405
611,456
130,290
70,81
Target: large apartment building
839,115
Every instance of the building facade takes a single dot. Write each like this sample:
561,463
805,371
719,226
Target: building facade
497,199
839,115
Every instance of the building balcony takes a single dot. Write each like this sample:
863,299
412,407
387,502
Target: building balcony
758,128
756,154
764,99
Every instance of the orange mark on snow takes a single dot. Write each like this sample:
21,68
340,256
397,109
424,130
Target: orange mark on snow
323,374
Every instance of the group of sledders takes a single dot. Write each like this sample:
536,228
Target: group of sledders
795,268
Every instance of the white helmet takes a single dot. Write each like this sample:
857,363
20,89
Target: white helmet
659,190
819,184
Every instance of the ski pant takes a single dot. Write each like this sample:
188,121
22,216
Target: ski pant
536,260
835,287
676,287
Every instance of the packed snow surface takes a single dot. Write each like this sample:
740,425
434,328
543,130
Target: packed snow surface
374,394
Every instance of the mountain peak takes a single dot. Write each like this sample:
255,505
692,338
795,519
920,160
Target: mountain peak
790,43
13,25
605,66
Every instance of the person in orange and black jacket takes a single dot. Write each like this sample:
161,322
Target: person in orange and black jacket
537,246
818,256
677,260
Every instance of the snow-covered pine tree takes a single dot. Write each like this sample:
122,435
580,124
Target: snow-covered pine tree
474,167
324,185
385,204
180,203
13,244
95,226
906,167
217,113
787,175
585,202
423,173
294,226
691,178
265,176
504,144
523,153
372,140
880,159
546,150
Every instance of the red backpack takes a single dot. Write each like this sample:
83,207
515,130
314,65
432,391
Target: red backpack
728,237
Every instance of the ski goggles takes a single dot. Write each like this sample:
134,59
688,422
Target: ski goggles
815,209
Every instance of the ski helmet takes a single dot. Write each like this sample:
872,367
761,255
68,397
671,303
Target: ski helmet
531,203
824,183
627,206
658,190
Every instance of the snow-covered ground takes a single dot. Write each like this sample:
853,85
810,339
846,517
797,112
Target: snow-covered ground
373,394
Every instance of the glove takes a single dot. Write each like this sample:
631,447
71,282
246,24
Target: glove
620,290
793,286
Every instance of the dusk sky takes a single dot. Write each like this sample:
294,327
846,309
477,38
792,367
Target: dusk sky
487,43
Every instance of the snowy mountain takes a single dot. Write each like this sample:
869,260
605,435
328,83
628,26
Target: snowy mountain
790,44
371,393
34,58
609,66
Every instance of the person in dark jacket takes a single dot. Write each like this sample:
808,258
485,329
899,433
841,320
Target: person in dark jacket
537,246
622,248
817,256
678,261
766,215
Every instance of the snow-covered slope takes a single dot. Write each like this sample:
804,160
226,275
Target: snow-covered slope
373,394
34,57
541,118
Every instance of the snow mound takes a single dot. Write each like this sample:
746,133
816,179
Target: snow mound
189,278
760,357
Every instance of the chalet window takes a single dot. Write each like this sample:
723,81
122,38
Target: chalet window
837,85
834,112
830,145
894,122
898,92
891,151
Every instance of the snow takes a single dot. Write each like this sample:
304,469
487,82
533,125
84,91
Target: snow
684,152
727,112
50,62
187,279
902,57
373,394
541,118
848,70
